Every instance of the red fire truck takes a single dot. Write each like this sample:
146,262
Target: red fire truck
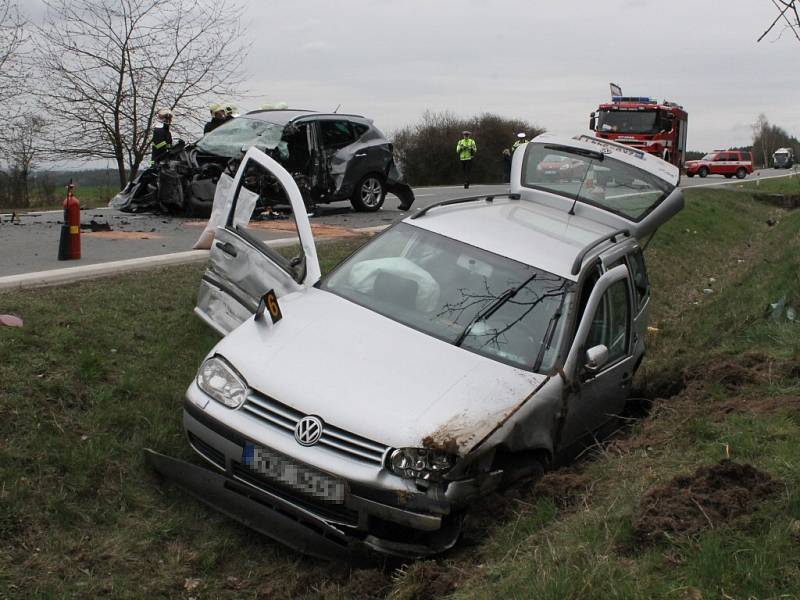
655,127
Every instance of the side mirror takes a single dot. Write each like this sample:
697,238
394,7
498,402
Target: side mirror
596,358
592,122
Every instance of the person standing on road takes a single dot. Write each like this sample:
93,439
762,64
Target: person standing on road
218,117
506,165
522,139
466,149
162,138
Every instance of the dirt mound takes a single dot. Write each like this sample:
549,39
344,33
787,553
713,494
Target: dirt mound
369,584
749,368
430,580
565,488
712,495
768,405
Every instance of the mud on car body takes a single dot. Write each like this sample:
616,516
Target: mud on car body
455,353
332,157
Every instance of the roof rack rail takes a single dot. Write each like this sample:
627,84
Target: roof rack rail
576,266
487,197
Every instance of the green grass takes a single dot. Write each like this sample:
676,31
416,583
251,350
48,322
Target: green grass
90,196
99,370
773,185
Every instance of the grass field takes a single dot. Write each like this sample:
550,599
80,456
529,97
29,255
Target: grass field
99,369
90,196
773,185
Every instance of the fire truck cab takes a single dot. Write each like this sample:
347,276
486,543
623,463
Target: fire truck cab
658,128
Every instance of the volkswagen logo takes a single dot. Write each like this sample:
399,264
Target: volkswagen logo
308,431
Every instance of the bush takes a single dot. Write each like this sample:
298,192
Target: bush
427,150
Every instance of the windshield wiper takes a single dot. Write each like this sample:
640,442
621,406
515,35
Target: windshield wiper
489,310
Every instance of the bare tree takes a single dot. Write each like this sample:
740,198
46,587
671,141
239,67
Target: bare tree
12,38
787,15
764,139
110,65
19,152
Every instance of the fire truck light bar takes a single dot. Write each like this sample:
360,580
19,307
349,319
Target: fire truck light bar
641,99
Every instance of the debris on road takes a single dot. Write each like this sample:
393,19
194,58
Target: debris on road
95,226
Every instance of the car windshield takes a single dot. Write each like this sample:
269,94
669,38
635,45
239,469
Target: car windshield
482,302
240,133
627,121
609,184
709,157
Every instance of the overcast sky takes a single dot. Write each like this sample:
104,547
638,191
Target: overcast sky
544,61
548,62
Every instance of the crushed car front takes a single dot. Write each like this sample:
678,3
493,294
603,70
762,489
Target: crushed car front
366,411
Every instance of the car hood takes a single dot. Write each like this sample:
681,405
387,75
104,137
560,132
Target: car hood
367,374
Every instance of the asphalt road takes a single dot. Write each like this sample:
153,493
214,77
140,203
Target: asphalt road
30,243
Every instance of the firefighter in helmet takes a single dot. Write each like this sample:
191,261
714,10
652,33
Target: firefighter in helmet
162,138
218,117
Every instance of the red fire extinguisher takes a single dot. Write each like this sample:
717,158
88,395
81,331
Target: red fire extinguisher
69,246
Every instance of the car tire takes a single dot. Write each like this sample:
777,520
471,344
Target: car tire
369,194
703,172
728,176
741,173
690,174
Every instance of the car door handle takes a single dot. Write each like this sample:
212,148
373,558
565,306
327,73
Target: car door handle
227,248
360,154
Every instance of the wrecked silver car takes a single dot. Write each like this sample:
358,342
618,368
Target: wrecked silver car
331,157
459,351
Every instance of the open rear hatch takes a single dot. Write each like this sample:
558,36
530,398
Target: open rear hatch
610,183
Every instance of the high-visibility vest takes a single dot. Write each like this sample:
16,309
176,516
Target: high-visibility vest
466,148
518,143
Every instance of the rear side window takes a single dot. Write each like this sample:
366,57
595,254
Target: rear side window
336,134
359,128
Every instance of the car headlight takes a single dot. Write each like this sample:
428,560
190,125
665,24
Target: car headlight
421,463
219,380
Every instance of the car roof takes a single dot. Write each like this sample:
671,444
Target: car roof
283,116
529,232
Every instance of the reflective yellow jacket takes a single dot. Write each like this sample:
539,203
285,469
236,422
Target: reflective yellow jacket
466,148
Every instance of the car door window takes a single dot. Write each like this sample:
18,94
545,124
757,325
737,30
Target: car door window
263,212
611,322
336,134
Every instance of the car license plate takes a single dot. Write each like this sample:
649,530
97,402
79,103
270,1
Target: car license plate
298,477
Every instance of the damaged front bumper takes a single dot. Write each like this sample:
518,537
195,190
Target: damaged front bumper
366,521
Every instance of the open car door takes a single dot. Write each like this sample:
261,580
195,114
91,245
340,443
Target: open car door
619,186
242,267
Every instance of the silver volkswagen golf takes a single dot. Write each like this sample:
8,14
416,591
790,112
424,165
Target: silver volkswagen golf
459,351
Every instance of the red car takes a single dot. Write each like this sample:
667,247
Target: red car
557,167
722,162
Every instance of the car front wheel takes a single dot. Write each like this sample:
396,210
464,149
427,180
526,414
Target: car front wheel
741,172
703,172
369,194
